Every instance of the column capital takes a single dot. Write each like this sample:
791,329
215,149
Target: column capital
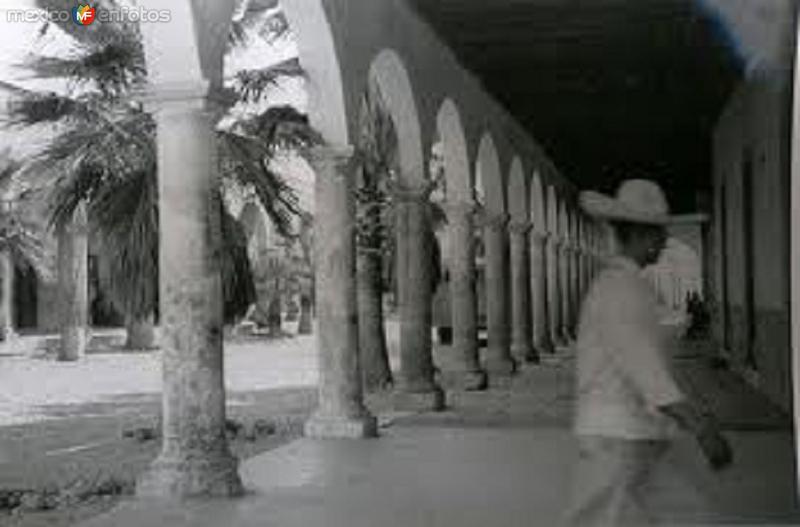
173,98
539,237
520,227
492,220
412,192
461,209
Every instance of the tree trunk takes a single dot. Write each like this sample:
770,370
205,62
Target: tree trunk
274,328
305,326
8,332
74,287
376,372
141,333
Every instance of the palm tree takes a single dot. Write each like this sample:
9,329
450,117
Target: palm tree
103,154
377,149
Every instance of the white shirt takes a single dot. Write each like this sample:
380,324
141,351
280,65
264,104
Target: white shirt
623,374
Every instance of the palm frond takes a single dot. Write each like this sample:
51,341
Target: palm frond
9,167
112,68
247,162
125,221
23,239
41,108
83,159
238,288
378,141
280,128
253,85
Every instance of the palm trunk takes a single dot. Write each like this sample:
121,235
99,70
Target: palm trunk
377,373
73,283
274,314
8,333
305,326
141,333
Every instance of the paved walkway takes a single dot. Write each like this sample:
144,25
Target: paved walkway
500,458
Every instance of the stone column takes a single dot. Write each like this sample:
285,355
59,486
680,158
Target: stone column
542,342
587,265
463,296
564,259
417,388
575,279
341,412
553,265
583,271
195,459
499,360
592,249
521,347
73,281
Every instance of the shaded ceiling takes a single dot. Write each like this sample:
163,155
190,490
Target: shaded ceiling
610,88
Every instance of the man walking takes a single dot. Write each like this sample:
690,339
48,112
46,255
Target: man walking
627,400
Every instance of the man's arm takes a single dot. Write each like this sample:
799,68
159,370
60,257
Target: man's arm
703,426
635,333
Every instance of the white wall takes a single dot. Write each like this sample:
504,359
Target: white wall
755,119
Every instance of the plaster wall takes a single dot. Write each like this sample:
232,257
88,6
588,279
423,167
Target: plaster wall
754,125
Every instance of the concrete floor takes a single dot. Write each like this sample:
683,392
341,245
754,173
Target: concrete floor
419,476
474,466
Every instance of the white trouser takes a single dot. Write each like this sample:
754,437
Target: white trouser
608,481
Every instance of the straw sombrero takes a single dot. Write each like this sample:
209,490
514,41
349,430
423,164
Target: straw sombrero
637,201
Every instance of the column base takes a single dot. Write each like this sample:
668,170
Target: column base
340,427
195,477
466,381
521,352
505,366
73,344
545,348
409,400
533,356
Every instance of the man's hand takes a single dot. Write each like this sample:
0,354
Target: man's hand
715,447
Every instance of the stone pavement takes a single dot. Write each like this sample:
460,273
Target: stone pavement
499,458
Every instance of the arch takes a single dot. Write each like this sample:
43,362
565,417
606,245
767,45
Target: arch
537,204
552,211
388,75
517,192
317,52
677,273
488,177
458,176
